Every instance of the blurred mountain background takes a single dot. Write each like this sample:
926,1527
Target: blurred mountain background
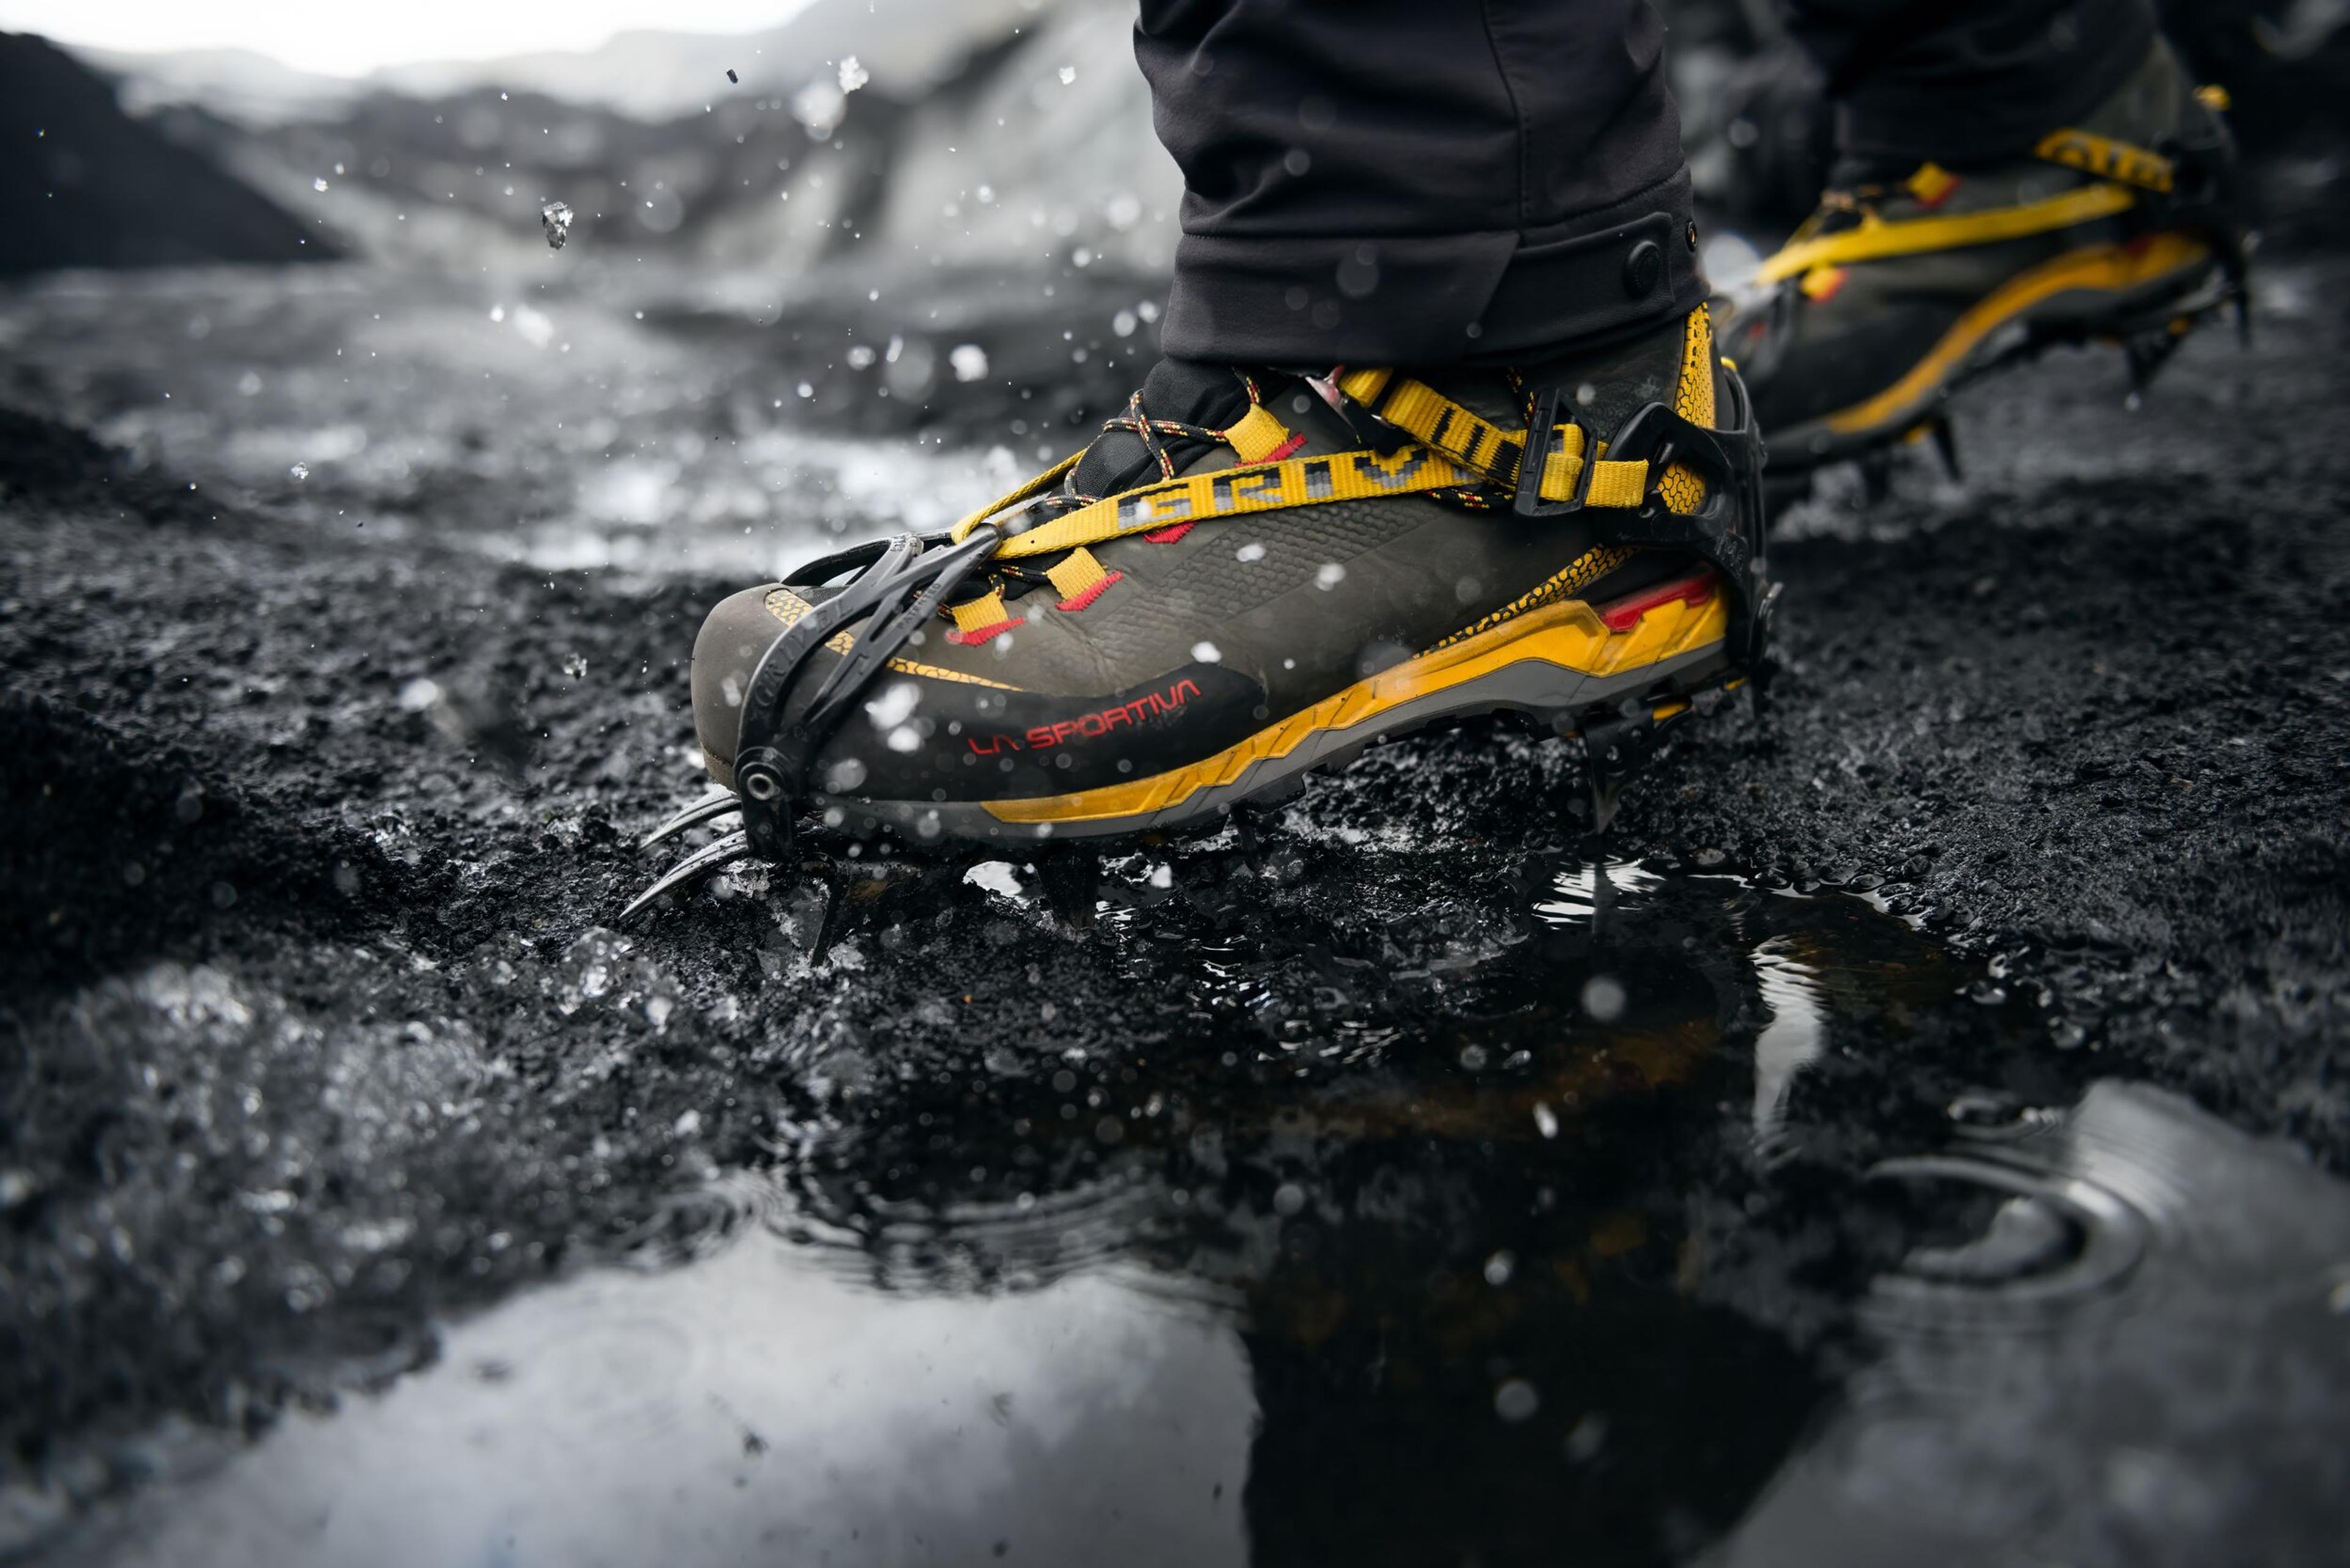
889,136
911,249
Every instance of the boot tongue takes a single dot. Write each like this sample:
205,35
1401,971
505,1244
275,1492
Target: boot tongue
1186,390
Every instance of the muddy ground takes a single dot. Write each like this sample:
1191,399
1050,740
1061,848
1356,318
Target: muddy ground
320,796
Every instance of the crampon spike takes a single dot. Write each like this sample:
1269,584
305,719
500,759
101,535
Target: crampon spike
2236,267
701,811
1617,744
694,867
1875,477
2147,353
1946,447
1071,875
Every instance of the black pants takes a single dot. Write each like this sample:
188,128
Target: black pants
1435,180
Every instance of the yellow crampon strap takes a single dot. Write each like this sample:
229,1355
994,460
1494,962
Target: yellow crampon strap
1875,239
2121,163
2109,159
1477,443
1231,492
1459,448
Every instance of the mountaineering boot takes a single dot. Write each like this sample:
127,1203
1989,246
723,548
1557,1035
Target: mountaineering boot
1247,576
1908,283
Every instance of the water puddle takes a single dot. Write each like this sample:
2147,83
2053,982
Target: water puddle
1649,1228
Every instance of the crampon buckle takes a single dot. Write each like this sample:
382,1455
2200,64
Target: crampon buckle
1727,531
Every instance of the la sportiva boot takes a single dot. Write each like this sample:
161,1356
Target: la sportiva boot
1245,577
1908,282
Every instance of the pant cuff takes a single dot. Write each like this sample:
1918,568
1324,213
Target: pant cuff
1440,299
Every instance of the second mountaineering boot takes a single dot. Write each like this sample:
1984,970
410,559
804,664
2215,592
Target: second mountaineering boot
1908,283
1247,576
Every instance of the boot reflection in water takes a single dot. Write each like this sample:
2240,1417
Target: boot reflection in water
1464,1263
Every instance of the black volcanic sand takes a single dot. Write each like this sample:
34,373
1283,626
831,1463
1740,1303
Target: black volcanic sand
316,1031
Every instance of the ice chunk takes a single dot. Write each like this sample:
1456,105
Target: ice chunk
556,219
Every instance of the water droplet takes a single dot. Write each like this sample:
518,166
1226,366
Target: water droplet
894,706
1603,998
1516,1400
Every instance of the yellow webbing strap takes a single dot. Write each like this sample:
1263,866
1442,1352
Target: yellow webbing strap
1875,239
2109,159
1081,570
1478,443
980,613
1257,436
1230,492
1459,448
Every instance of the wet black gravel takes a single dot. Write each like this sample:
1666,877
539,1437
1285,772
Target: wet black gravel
316,1031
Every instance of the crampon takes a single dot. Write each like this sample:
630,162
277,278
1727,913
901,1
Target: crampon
1246,577
1906,286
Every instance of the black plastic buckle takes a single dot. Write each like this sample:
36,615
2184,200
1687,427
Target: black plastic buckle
1542,440
900,584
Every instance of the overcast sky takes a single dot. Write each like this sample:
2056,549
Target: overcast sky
350,38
